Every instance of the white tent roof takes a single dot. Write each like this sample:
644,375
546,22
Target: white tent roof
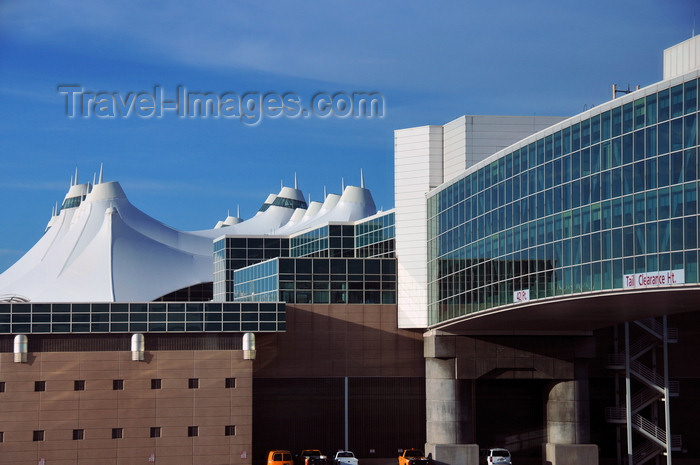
100,248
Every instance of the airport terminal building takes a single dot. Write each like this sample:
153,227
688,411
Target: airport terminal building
534,288
562,276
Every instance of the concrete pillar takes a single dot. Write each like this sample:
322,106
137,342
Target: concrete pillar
448,404
448,411
568,412
568,421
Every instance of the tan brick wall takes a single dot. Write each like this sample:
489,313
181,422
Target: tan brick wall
60,409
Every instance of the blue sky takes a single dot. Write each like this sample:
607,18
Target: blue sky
431,61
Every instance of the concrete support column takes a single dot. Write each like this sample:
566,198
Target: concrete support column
568,417
448,414
568,421
448,403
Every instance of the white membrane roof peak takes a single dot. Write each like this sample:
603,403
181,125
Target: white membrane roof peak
101,248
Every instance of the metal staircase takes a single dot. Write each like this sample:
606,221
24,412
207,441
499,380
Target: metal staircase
645,407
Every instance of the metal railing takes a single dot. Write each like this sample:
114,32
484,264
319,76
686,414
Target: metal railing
644,398
615,414
616,361
649,429
643,345
648,375
654,336
651,324
645,452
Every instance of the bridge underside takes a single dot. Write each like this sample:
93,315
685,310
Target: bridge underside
575,314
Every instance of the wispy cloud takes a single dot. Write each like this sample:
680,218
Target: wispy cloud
330,42
188,189
378,44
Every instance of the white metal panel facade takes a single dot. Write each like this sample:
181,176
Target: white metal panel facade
418,168
455,147
682,58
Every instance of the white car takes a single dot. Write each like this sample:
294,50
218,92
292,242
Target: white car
495,456
345,457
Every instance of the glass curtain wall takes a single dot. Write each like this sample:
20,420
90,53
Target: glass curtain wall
604,196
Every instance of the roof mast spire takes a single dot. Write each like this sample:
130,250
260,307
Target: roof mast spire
296,184
362,178
99,179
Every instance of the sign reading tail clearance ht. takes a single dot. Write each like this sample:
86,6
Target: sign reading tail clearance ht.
654,279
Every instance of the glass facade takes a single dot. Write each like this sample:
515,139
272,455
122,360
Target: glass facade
375,237
585,206
318,281
232,253
289,203
332,240
371,237
152,317
257,283
72,202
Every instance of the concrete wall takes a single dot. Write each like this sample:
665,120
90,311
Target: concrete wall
511,357
571,454
463,454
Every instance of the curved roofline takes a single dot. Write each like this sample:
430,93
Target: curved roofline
576,312
610,104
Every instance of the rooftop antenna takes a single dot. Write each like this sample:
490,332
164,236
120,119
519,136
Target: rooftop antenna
325,193
99,179
309,198
362,178
281,183
76,175
71,181
228,213
342,185
616,91
296,184
238,212
94,178
56,208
